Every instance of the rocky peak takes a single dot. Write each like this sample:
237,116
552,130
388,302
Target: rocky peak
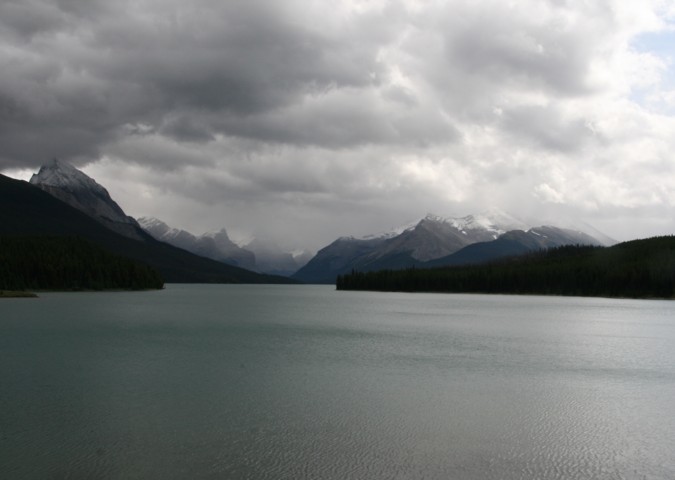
72,186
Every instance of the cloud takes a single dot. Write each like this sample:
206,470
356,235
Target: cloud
304,118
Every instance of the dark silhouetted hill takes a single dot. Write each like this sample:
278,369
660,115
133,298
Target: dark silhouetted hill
635,269
27,210
69,263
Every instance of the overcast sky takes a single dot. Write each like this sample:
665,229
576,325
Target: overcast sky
303,120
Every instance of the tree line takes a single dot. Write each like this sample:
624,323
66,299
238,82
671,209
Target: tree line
68,263
635,269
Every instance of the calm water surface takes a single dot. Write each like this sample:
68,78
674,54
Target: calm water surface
294,382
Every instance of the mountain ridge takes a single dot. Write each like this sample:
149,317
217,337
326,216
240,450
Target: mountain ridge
25,209
72,186
432,240
436,240
256,255
216,246
634,269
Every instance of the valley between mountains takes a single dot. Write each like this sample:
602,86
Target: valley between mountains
181,256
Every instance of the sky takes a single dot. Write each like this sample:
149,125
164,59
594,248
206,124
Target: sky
299,121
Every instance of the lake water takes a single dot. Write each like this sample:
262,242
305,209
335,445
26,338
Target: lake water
304,382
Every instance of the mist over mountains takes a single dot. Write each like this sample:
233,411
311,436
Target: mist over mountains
216,246
82,208
256,255
438,241
348,117
429,242
72,186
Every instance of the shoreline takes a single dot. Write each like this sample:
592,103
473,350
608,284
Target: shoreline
17,294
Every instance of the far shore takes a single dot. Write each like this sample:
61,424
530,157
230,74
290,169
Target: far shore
26,294
16,294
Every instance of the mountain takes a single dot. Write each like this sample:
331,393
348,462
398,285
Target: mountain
515,242
436,240
257,255
68,184
69,263
216,246
635,269
434,236
338,258
26,209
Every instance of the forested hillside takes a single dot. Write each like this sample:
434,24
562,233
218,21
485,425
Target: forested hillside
27,210
68,263
637,269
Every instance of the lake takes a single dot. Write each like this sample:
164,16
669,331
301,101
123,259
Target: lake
304,382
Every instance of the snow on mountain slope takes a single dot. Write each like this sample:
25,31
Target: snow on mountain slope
256,255
70,185
435,236
394,232
432,237
493,221
161,231
58,173
215,245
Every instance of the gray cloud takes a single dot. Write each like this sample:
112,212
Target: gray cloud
177,67
346,116
547,127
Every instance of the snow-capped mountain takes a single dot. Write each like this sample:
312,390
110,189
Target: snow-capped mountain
433,238
256,255
70,185
494,221
26,210
216,246
230,250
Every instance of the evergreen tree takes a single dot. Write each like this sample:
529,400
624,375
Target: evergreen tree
68,263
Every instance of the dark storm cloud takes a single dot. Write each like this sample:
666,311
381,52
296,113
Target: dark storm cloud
187,127
80,76
364,108
345,119
75,76
26,19
243,57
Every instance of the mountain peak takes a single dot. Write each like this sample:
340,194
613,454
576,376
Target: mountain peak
438,241
391,233
491,220
432,217
61,174
154,226
65,182
495,219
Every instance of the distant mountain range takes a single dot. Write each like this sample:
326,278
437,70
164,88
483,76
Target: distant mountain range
438,241
62,201
213,257
74,187
216,246
636,269
257,255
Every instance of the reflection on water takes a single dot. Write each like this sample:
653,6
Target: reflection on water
306,382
